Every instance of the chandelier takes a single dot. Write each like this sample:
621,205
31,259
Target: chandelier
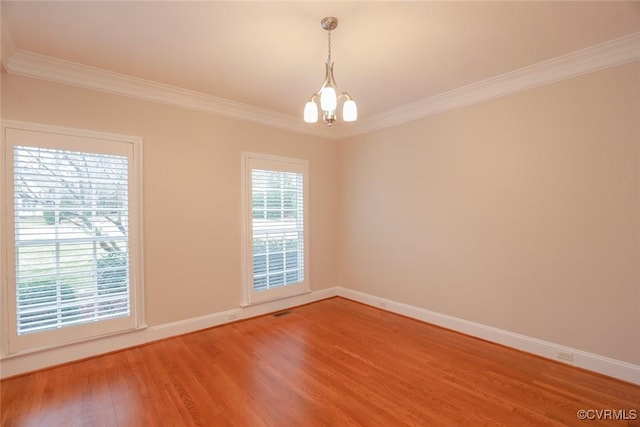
329,94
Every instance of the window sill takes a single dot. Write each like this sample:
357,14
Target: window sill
36,350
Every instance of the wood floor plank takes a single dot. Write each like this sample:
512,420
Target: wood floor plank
330,363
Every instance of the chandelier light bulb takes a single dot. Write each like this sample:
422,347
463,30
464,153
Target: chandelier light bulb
328,99
349,111
311,112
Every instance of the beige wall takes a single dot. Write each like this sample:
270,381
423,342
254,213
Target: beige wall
520,213
191,189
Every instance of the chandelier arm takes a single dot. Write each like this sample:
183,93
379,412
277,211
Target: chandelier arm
328,75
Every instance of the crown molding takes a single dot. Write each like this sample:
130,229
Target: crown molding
7,45
29,64
604,55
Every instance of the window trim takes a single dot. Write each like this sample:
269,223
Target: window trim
249,296
11,343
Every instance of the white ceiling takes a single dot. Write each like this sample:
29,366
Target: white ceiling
271,54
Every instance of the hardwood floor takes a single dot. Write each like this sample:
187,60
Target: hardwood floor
330,363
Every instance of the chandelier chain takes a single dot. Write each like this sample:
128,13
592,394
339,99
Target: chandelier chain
329,45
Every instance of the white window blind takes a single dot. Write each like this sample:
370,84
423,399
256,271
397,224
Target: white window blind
71,219
275,211
278,228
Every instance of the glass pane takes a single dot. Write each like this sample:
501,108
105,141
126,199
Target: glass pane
259,246
71,237
292,277
260,283
259,265
276,262
278,228
291,260
276,280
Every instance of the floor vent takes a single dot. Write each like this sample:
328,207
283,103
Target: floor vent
282,313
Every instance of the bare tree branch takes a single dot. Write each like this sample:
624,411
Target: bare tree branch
118,223
61,180
76,188
33,196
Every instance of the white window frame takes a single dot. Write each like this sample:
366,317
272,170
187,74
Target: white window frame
73,139
252,161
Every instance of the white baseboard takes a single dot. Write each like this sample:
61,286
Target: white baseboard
168,330
27,362
31,361
582,359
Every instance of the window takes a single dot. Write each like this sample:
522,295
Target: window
275,227
73,246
